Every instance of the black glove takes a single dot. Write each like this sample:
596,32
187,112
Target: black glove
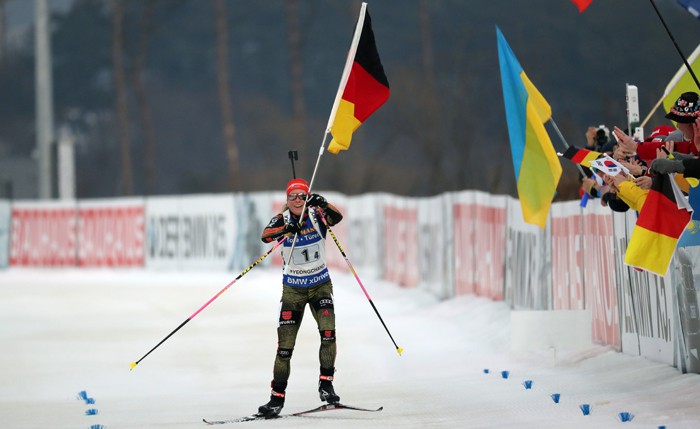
317,200
291,228
664,166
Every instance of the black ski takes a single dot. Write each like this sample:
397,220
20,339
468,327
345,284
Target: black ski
258,416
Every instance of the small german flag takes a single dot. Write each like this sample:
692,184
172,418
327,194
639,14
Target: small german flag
366,89
659,226
581,156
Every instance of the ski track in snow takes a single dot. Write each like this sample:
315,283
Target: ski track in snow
69,330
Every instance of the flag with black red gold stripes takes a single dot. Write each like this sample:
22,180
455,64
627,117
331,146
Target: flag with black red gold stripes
661,222
581,156
364,86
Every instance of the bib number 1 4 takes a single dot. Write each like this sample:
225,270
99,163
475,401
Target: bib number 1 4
306,255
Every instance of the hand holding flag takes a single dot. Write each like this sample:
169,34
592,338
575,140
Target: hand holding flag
609,166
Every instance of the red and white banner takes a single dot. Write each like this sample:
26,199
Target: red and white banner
480,244
43,234
400,244
111,233
599,275
490,245
5,222
464,259
567,257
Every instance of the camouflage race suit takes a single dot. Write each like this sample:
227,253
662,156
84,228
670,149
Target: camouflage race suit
306,280
292,306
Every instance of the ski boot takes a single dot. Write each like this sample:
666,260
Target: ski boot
273,408
326,391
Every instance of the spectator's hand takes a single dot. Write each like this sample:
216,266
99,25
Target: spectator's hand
317,201
669,146
615,181
660,154
625,142
588,184
590,138
643,182
619,179
619,154
696,133
610,181
634,166
291,228
665,166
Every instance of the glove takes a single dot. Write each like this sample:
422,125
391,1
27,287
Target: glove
291,228
664,166
317,200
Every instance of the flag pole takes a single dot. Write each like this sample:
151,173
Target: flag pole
672,84
338,96
685,61
653,109
341,87
561,136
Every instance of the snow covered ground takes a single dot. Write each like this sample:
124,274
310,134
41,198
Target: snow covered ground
67,331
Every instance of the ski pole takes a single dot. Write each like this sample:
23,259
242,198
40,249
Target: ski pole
280,241
399,350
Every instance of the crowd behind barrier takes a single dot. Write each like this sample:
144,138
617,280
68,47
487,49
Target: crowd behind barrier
461,243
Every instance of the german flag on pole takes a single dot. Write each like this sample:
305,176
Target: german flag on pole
659,226
363,86
581,156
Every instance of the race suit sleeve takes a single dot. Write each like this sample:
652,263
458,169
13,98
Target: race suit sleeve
274,229
333,216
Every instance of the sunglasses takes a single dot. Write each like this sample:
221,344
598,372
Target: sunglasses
292,197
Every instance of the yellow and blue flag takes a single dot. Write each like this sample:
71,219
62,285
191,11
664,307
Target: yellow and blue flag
537,168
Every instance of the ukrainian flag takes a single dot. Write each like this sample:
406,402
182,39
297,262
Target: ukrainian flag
537,168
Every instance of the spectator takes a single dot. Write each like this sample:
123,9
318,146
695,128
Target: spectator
686,113
627,190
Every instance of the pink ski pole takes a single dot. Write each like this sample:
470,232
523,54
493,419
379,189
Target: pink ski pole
399,350
280,241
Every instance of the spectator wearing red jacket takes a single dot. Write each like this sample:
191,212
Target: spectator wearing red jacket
686,113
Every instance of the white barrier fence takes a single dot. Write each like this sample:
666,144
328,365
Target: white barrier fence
452,244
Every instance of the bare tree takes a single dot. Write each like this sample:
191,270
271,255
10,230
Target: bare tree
222,72
120,89
3,32
431,136
142,101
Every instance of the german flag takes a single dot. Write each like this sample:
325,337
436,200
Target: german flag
581,156
659,226
366,89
